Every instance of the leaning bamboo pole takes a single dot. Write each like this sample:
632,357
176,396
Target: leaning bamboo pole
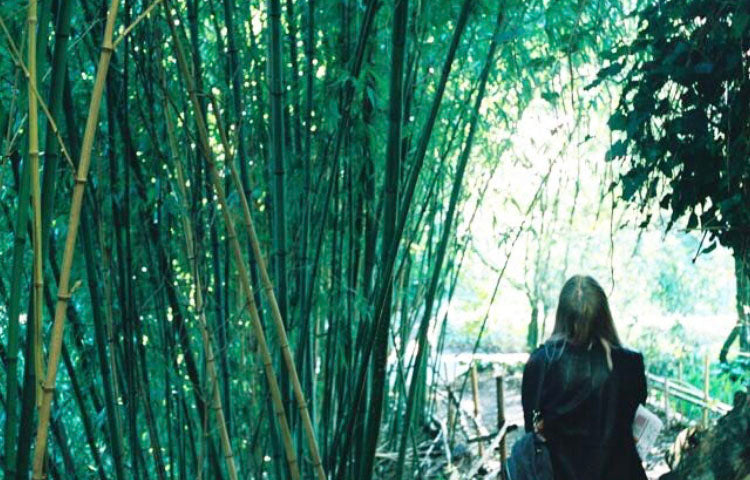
275,311
216,404
36,199
15,55
247,290
63,291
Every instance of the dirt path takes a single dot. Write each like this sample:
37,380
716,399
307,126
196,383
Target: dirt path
654,463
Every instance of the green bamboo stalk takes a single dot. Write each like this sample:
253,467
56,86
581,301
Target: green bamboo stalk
36,201
88,428
63,294
276,89
55,100
277,318
14,308
406,200
216,403
101,339
235,74
390,194
231,233
443,243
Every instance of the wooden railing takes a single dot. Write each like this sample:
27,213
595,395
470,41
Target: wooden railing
490,443
677,389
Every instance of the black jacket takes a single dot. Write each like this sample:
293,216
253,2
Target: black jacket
587,409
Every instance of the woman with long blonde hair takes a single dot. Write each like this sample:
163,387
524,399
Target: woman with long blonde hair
581,390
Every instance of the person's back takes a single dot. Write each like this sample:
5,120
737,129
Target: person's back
590,390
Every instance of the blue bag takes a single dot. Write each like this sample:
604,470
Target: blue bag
529,459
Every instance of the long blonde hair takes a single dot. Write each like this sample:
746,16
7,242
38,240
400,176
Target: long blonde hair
583,316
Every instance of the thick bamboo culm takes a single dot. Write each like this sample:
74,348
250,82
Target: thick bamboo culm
63,292
267,361
36,200
216,404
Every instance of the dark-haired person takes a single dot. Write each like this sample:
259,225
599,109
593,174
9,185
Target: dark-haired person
591,387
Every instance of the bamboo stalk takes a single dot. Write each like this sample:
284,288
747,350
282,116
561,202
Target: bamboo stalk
216,405
406,198
63,293
232,235
14,301
422,346
275,312
102,322
36,237
14,307
16,57
135,23
391,183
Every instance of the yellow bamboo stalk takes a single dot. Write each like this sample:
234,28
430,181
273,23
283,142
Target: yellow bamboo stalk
216,405
16,57
36,201
63,292
247,289
276,313
135,23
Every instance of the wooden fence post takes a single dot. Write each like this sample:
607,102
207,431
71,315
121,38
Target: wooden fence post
678,407
666,401
501,417
475,395
706,375
451,415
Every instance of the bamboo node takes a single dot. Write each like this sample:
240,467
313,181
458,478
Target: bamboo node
80,181
108,47
64,297
48,389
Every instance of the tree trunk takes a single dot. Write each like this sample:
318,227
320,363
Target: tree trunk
741,330
722,453
742,274
532,337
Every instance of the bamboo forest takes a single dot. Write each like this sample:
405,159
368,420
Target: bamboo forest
319,239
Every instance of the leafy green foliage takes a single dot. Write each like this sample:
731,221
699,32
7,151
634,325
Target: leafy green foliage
684,113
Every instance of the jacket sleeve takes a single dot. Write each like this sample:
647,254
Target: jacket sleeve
530,385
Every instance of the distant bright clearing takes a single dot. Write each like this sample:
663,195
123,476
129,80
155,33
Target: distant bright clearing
555,170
